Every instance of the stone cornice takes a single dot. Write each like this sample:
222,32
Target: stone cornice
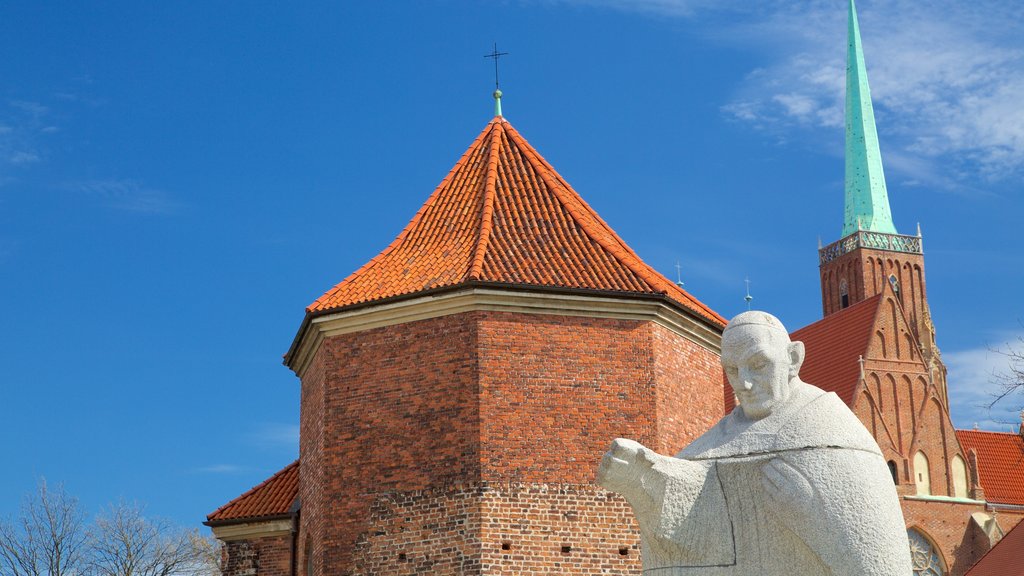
251,530
476,298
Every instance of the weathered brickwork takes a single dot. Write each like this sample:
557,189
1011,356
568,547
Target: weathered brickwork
949,527
422,532
398,416
270,556
533,529
689,382
398,413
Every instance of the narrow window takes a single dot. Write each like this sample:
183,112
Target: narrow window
921,476
844,294
959,477
893,472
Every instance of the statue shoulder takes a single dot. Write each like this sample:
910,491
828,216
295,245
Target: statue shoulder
823,420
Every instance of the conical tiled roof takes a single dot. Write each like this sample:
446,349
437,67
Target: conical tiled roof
504,216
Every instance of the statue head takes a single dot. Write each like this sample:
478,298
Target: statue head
760,361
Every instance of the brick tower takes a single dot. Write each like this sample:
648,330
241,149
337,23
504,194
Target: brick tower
459,389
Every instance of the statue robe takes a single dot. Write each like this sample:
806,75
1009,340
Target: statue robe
717,517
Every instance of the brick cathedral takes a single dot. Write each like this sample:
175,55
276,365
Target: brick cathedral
459,389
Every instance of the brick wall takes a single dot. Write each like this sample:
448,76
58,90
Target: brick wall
269,556
948,525
404,419
398,413
557,529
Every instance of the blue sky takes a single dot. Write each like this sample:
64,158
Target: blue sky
179,180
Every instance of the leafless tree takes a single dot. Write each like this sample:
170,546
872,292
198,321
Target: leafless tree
48,538
123,542
1011,381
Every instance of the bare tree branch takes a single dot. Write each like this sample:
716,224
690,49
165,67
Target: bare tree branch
48,538
1011,381
126,543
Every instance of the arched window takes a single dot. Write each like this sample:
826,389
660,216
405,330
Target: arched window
925,559
844,294
921,477
893,471
959,477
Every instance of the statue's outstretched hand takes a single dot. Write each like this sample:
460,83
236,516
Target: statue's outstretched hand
624,465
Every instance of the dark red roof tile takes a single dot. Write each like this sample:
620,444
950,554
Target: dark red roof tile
503,215
1006,558
273,497
1000,463
834,346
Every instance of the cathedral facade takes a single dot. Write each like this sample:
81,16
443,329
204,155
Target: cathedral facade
459,389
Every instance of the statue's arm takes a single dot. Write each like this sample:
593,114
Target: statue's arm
842,505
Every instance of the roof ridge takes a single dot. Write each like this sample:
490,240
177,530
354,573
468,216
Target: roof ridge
412,223
252,490
588,218
557,188
958,430
861,384
487,216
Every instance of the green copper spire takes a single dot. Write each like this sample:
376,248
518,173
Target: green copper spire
867,201
497,102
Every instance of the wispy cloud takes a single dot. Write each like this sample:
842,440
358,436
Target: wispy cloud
130,195
974,384
946,76
23,128
219,469
277,435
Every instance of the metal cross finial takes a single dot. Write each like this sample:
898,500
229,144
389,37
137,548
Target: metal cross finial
748,297
495,54
679,275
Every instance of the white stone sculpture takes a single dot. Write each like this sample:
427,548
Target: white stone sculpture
789,483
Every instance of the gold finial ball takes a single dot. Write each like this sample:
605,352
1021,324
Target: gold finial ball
497,94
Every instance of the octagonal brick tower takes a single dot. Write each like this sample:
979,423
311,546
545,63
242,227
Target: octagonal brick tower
459,389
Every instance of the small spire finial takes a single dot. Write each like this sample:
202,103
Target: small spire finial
497,89
679,275
748,297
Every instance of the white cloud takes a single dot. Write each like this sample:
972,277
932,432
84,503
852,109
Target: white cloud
129,195
219,469
278,435
974,384
946,76
945,80
21,127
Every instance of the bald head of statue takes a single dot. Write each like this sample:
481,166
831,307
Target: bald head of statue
761,362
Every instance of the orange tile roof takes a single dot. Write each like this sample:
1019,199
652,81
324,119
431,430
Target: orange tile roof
1000,463
273,497
834,345
1006,558
504,216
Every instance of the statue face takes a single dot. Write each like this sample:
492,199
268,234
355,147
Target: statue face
759,366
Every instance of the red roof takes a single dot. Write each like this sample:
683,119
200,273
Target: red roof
1006,558
274,497
504,216
834,346
1000,463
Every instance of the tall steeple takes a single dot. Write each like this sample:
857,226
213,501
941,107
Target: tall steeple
867,201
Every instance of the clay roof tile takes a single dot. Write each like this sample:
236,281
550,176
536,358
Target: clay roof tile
1000,463
503,215
273,497
834,345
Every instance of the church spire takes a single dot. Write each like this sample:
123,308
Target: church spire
867,201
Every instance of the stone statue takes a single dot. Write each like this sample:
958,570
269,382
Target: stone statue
789,483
